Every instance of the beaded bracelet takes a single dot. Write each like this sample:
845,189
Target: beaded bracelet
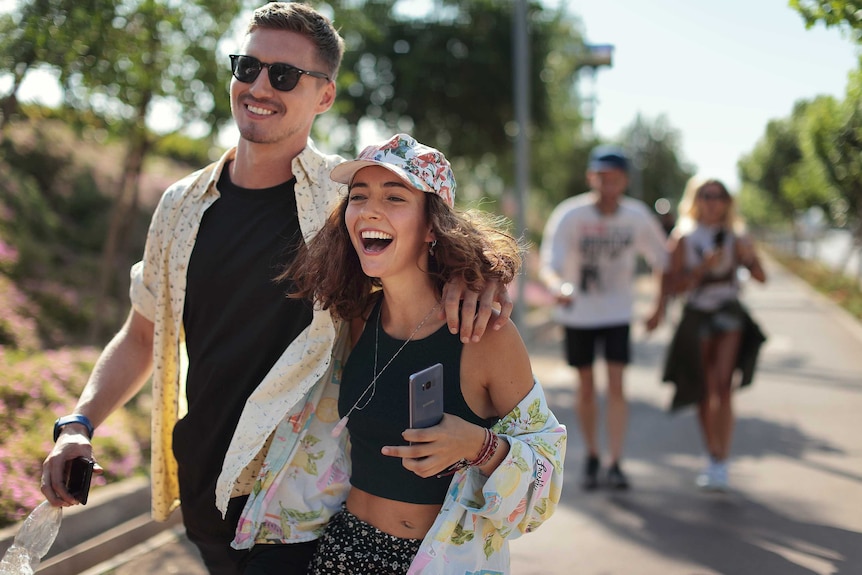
489,448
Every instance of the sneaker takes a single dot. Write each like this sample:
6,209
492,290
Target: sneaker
704,478
591,473
616,478
719,480
714,477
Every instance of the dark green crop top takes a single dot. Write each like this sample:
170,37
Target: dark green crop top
386,416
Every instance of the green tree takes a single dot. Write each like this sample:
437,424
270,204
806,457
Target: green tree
115,60
658,171
783,177
447,77
769,165
842,13
836,140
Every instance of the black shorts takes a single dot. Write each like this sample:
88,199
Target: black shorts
581,344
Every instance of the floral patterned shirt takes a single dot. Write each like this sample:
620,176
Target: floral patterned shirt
158,290
480,514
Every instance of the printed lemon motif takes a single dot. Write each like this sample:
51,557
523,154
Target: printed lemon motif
300,459
507,480
327,410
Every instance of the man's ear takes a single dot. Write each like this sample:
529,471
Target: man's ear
327,97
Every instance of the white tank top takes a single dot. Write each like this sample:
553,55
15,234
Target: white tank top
720,285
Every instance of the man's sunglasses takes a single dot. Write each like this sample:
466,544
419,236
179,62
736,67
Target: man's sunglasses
283,77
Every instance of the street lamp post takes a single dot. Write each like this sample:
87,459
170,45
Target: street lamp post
521,73
590,60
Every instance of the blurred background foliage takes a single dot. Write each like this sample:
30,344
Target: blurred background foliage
144,88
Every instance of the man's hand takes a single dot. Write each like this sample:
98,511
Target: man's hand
476,312
70,444
654,320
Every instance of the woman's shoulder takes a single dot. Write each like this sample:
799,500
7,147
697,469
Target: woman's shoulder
504,345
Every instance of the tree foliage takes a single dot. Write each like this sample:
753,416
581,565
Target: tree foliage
447,77
769,167
842,13
837,143
658,171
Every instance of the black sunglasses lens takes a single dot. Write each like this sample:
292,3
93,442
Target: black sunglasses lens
283,77
245,68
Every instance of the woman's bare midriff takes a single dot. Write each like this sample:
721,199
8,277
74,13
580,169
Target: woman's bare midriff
405,520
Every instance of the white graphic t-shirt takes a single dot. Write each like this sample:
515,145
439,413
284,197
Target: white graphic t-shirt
597,254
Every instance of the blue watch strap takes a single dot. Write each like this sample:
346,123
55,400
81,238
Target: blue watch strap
74,418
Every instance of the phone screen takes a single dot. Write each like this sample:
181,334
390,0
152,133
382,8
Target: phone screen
426,397
78,482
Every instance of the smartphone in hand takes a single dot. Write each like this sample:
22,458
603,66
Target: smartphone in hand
78,480
426,397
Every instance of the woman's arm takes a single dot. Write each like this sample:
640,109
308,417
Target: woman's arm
746,255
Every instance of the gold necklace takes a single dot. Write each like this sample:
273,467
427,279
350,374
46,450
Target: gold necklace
372,387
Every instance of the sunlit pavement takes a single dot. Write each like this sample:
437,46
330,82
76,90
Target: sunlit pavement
796,472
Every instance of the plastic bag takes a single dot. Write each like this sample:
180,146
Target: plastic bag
33,540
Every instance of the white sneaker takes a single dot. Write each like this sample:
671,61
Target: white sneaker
719,480
704,478
714,477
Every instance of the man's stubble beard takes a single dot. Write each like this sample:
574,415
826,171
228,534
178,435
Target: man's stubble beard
258,136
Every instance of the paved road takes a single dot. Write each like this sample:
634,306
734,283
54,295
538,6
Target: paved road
797,472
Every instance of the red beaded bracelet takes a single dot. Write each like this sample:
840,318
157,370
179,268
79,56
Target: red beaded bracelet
489,448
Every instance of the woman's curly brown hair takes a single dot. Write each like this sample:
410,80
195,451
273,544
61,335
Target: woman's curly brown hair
471,244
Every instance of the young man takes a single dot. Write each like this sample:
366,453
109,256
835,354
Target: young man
589,259
205,287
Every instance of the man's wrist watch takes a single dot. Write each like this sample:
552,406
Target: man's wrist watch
74,418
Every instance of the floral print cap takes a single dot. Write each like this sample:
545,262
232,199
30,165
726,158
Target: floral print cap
421,166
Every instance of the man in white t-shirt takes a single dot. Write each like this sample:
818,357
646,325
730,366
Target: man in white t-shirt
589,262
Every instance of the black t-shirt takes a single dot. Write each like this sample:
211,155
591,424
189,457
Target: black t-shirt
238,320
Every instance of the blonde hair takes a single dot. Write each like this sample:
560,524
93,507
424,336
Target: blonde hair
689,210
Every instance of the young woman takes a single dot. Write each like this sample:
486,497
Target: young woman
445,498
708,247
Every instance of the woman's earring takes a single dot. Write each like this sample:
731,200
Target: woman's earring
431,249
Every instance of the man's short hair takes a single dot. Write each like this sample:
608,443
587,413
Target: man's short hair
305,20
608,158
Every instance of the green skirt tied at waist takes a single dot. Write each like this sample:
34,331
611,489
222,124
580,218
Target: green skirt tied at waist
683,366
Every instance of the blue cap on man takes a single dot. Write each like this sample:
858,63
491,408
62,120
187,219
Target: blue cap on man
608,157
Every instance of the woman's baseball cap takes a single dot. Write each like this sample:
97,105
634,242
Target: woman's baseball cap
421,166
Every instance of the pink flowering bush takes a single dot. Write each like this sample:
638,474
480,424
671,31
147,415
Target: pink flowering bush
35,389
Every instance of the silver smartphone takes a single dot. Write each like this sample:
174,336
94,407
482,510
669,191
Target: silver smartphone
426,397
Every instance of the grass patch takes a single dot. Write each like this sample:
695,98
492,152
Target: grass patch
838,287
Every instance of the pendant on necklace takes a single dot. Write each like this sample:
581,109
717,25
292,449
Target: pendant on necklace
342,423
339,427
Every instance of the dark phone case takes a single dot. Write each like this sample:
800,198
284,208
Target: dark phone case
719,238
426,397
78,483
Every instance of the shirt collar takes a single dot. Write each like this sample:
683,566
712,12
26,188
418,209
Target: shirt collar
306,162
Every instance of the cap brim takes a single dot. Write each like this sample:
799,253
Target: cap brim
605,166
343,173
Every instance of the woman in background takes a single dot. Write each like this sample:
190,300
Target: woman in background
716,336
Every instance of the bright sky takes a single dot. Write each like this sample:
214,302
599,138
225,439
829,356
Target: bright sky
719,70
